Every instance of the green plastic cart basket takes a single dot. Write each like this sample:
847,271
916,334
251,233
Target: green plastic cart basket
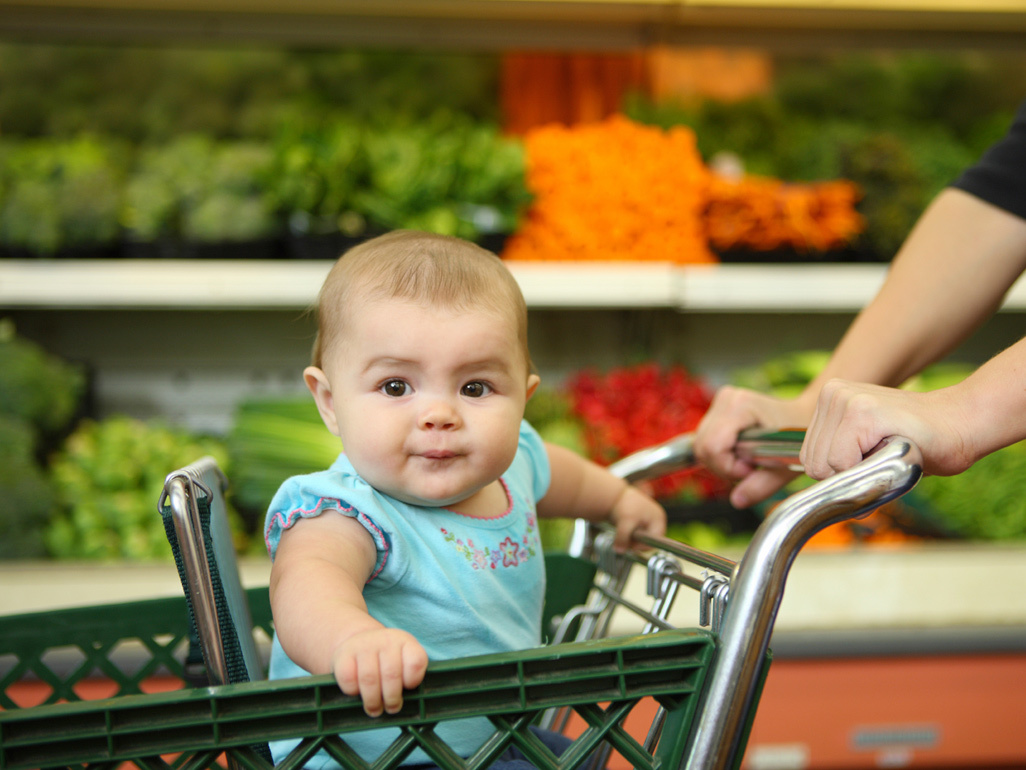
706,680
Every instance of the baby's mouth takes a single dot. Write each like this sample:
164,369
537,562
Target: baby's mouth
438,454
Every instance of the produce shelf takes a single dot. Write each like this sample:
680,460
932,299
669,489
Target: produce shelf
505,24
160,284
293,285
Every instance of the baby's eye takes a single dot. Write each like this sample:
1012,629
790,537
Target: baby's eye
476,389
395,388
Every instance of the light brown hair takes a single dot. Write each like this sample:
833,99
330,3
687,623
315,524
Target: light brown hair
412,265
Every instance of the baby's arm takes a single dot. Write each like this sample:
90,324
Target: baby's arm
581,489
321,619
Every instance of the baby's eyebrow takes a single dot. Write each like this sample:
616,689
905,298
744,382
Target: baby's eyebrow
486,364
387,362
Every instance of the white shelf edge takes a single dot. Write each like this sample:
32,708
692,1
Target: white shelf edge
159,284
597,284
293,285
242,284
780,288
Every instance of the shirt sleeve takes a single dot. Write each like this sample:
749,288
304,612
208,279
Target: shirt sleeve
999,177
306,497
533,448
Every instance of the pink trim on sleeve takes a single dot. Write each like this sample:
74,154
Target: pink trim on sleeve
280,521
287,521
386,549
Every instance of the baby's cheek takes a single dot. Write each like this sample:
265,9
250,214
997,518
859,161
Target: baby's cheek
504,457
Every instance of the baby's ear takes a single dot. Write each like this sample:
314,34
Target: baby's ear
533,381
317,382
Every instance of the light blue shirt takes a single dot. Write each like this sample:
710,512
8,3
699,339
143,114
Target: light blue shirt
461,585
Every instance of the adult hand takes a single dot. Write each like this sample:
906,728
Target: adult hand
852,418
732,411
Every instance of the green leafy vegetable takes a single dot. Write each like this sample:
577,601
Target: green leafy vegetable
60,193
985,502
272,440
35,386
26,497
109,477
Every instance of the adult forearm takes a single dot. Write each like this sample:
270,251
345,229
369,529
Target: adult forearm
954,426
950,275
994,400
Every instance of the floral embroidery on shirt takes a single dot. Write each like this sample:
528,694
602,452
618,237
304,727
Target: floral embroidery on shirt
507,553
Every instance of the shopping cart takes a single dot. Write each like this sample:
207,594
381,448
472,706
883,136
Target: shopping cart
705,680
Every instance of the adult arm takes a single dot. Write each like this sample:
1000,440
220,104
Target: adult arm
951,273
954,426
949,276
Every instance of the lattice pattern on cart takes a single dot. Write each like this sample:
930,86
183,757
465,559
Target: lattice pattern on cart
50,657
125,644
600,680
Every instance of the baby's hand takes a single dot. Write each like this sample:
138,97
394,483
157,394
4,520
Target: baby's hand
635,511
378,664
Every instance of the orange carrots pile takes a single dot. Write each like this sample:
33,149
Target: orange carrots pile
619,190
765,214
613,190
878,528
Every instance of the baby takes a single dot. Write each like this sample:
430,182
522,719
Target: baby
421,540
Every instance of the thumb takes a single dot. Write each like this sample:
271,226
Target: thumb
415,661
758,485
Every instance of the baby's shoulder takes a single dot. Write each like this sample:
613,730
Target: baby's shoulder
309,491
337,490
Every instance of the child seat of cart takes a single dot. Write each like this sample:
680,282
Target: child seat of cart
587,674
705,682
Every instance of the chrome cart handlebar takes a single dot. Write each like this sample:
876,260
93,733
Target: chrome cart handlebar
761,447
757,580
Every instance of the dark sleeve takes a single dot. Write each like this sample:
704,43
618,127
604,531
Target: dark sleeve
1000,175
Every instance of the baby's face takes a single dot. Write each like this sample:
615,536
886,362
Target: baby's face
428,401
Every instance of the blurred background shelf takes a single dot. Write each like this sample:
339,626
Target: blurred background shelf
293,285
545,24
185,341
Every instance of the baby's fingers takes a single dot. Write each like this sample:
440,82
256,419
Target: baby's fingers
390,662
370,683
388,673
636,512
346,675
415,662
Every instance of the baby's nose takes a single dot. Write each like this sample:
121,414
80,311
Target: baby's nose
439,415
